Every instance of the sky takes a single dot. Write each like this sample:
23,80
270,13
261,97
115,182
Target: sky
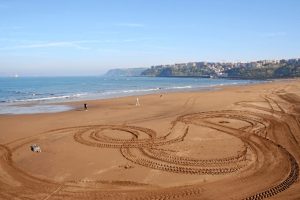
88,37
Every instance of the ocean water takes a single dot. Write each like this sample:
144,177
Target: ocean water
24,95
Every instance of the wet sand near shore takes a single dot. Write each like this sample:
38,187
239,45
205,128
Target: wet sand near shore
240,142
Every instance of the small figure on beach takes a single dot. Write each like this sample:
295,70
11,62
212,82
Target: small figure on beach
85,107
137,103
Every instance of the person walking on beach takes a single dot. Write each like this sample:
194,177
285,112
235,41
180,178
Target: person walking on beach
85,107
137,103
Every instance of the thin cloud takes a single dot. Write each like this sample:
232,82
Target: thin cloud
49,44
10,28
274,34
61,44
77,44
131,25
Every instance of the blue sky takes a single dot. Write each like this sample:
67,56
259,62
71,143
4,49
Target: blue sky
87,37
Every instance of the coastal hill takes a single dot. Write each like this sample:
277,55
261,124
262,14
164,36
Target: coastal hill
263,69
125,72
245,70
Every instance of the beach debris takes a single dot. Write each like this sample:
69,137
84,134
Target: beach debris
127,166
35,148
224,122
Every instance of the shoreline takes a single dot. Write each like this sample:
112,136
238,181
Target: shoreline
44,106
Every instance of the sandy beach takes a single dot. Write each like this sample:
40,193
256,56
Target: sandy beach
237,142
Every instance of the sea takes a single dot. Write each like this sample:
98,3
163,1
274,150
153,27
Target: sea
26,95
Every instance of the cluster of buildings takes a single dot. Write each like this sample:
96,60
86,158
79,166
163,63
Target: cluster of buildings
219,68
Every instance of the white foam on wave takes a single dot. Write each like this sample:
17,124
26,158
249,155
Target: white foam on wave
140,90
180,87
51,98
117,93
15,110
43,98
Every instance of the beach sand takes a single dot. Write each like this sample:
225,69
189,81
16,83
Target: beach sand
237,142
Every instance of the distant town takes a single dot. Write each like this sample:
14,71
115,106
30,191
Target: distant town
263,69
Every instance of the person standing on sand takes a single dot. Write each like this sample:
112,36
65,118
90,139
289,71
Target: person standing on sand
137,103
85,107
